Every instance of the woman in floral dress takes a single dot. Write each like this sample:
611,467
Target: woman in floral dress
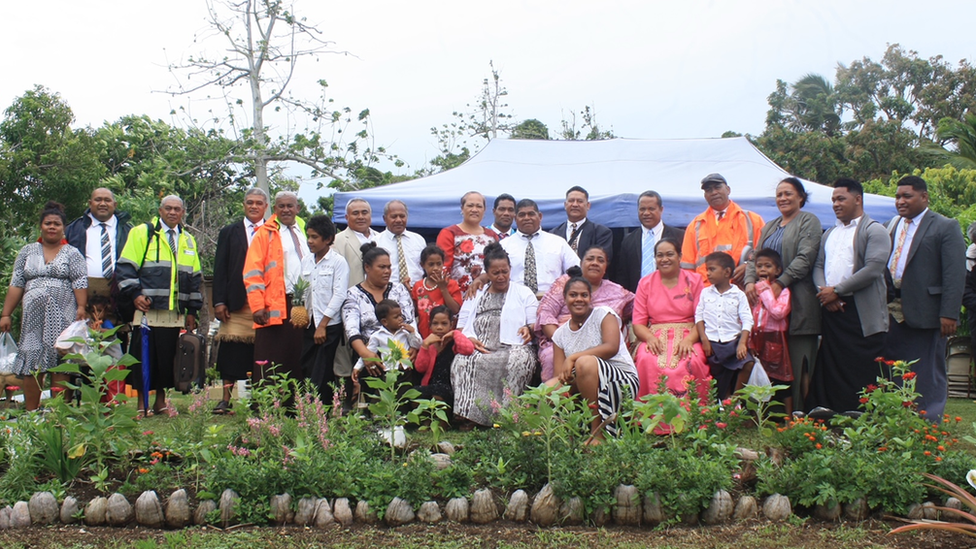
464,243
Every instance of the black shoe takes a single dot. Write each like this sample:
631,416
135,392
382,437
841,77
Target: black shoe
222,407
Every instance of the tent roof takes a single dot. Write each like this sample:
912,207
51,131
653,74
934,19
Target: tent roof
614,172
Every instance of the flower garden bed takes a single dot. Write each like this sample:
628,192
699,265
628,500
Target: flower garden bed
316,466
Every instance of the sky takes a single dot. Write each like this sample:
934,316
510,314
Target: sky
650,69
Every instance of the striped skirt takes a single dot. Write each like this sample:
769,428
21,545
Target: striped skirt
615,385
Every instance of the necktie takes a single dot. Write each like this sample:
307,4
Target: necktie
298,245
106,253
648,264
402,261
531,278
172,241
721,214
898,249
573,241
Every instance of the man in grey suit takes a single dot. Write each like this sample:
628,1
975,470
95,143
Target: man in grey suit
636,257
849,274
927,267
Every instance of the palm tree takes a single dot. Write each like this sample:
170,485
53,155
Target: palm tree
816,106
962,134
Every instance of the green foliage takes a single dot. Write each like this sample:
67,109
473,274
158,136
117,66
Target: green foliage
952,191
683,480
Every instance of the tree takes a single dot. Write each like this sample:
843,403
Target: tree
266,40
960,134
589,129
42,158
530,129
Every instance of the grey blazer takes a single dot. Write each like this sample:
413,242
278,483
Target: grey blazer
935,271
872,246
801,243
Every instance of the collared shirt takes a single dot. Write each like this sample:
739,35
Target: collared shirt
839,252
569,227
412,244
909,236
329,280
726,314
552,257
293,260
719,214
250,228
93,245
364,238
503,234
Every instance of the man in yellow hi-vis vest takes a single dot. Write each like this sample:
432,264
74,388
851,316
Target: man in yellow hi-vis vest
159,270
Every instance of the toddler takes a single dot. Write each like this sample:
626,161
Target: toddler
771,314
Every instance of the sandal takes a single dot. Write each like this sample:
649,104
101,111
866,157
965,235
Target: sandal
222,407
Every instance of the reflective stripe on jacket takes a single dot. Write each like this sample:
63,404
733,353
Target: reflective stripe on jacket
264,272
738,232
147,267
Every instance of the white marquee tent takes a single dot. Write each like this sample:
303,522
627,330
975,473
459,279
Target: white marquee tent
614,172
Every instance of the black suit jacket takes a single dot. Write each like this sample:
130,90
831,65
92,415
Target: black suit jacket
590,234
627,269
228,281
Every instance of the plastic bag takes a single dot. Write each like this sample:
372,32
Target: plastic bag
77,329
758,377
8,354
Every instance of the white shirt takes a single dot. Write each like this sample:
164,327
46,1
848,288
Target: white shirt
250,228
364,238
412,244
726,315
293,260
379,342
93,245
552,257
520,309
909,236
569,227
839,253
329,280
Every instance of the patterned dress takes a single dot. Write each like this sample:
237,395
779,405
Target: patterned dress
464,254
49,303
480,380
426,300
618,376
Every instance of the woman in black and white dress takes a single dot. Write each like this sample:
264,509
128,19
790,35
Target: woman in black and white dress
591,357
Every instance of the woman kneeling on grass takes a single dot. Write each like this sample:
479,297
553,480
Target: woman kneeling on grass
590,356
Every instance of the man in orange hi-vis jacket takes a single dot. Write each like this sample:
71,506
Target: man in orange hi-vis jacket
723,227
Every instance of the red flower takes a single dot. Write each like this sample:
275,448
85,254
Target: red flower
863,400
466,246
721,425
908,375
880,359
871,388
907,404
819,446
890,362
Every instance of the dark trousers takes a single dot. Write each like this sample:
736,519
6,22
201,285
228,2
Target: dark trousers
318,360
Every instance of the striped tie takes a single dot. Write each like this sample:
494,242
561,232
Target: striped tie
899,248
106,253
298,245
402,261
172,241
648,265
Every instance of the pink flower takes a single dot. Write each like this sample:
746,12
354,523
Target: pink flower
147,433
261,362
721,425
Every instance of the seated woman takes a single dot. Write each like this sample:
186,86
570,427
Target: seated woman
591,357
668,351
499,322
359,310
553,311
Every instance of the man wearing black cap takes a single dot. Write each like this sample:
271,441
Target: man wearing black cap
723,227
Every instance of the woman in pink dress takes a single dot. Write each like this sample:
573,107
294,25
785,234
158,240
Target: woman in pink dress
553,311
668,351
464,243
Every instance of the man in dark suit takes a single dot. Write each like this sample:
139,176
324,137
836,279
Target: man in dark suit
581,233
636,258
235,354
928,272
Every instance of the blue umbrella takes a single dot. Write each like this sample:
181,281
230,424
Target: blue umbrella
145,364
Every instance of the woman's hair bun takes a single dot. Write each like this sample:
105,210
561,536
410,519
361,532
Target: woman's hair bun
366,247
574,271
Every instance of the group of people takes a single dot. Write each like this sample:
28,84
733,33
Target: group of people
485,311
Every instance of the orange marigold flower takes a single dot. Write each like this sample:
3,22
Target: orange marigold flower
958,419
940,448
883,449
908,375
927,453
819,446
938,458
143,471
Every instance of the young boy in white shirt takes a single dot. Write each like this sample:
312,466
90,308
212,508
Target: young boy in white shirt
724,320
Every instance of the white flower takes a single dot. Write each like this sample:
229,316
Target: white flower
971,477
